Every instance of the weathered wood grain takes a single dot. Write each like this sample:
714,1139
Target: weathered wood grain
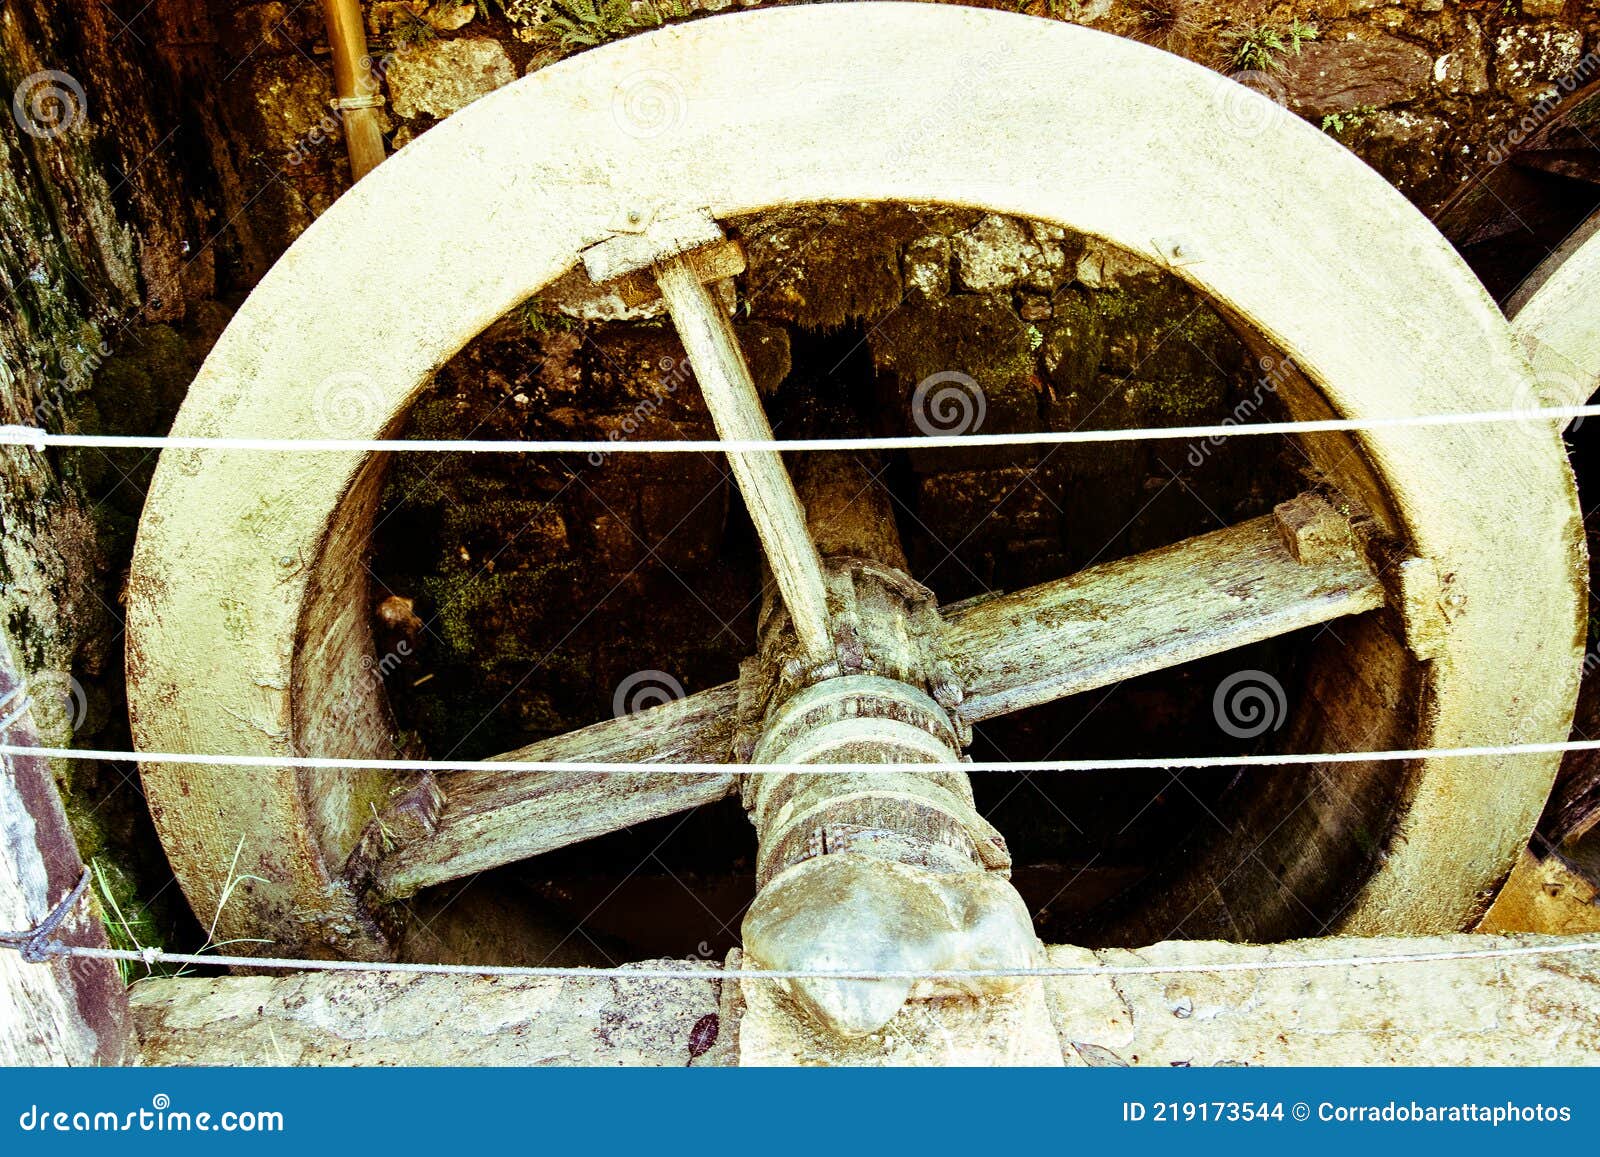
492,818
735,406
1141,614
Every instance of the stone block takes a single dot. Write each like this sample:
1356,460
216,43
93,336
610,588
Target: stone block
1338,76
1001,253
439,77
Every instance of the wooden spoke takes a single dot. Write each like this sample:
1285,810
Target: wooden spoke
492,818
735,407
1200,597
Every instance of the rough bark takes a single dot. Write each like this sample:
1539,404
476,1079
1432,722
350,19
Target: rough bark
58,1011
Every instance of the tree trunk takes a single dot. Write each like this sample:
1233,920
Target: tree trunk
61,1011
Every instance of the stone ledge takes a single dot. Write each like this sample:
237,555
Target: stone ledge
1521,1010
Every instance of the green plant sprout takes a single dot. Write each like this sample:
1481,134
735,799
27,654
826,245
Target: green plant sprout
1261,48
119,928
232,881
1338,123
410,29
536,320
586,23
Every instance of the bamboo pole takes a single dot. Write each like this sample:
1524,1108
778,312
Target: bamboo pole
355,82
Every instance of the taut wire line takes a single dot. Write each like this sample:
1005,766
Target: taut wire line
524,766
32,436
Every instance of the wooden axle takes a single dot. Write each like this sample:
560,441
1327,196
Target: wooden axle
850,672
884,870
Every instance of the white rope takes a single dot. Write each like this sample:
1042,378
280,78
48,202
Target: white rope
149,956
39,439
1156,763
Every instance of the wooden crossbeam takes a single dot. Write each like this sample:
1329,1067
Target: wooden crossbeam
1263,578
492,818
1200,597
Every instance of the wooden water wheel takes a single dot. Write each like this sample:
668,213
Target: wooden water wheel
1454,553
1557,318
1527,226
1543,181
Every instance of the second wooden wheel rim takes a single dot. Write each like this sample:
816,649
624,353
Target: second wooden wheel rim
247,622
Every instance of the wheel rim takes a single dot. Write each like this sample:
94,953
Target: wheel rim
246,619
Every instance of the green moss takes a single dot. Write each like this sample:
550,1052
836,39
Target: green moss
124,397
469,605
114,840
1118,305
980,336
1164,332
1074,342
1180,401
